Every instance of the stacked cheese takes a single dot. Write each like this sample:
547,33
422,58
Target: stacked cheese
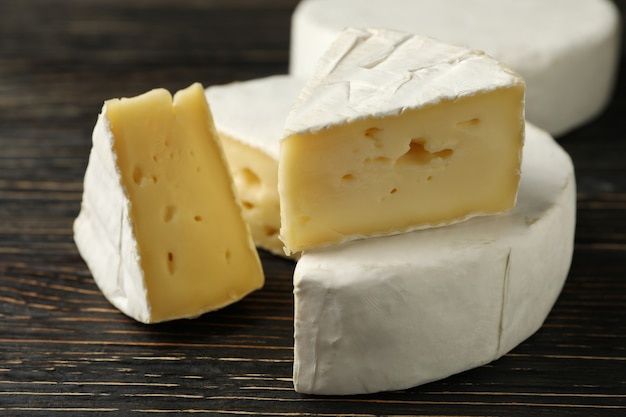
394,312
566,50
430,239
396,132
390,115
160,226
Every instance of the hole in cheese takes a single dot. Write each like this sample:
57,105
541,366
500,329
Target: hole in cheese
371,134
247,205
170,263
169,213
468,123
393,191
377,159
419,155
347,177
270,231
137,175
197,218
227,255
249,177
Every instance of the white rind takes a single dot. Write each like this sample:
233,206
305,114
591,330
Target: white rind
394,312
566,50
380,73
103,232
254,111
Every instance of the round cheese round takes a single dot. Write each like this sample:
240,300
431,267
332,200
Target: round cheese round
566,50
390,313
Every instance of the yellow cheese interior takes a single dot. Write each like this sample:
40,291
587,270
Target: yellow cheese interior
256,179
194,246
424,167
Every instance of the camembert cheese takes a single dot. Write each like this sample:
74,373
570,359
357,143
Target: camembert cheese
160,226
397,132
249,117
394,312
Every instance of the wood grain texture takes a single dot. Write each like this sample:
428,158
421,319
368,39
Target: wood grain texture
64,350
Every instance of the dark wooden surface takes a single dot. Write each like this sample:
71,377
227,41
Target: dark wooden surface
65,350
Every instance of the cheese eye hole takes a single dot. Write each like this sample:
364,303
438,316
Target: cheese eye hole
171,267
270,231
169,213
247,205
377,160
140,179
137,175
371,133
468,123
419,155
249,177
347,177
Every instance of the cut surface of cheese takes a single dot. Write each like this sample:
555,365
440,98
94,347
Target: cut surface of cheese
566,50
249,117
394,312
160,226
397,132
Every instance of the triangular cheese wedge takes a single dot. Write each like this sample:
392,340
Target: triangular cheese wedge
160,226
397,132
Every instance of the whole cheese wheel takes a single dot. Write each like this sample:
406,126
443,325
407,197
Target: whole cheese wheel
566,50
394,312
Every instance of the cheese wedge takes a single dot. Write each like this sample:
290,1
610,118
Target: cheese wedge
160,226
397,132
394,312
249,117
566,50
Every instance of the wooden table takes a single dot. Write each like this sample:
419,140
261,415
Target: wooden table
65,350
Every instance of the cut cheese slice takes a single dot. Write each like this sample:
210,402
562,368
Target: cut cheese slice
394,312
160,226
249,117
566,50
397,132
